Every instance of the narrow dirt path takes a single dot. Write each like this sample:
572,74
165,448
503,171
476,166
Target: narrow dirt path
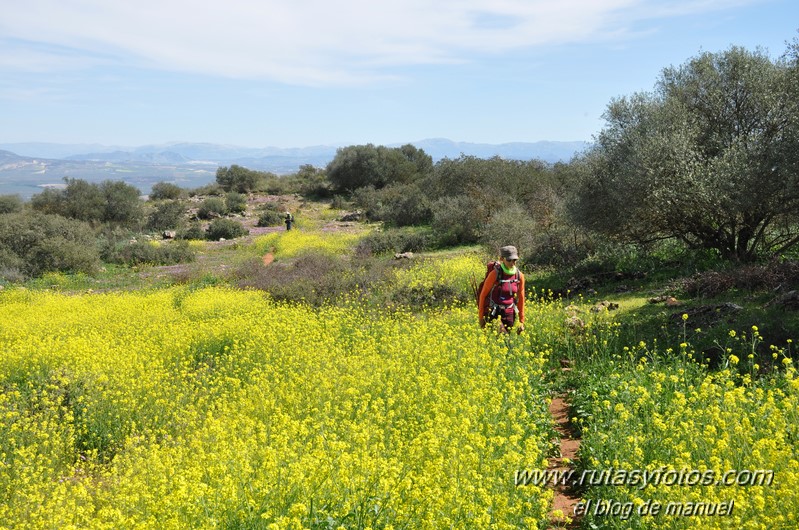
565,499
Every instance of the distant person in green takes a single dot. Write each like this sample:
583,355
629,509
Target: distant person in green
289,220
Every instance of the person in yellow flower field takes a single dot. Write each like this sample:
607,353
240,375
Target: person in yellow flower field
501,295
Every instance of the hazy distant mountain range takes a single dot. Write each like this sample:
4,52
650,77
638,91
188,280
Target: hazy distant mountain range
25,168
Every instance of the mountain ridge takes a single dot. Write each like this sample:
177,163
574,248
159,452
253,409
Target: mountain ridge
25,168
438,148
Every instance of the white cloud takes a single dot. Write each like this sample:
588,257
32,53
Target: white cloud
32,58
313,42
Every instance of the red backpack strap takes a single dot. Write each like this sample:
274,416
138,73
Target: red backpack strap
495,266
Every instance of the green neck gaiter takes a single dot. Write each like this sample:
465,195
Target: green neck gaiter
507,270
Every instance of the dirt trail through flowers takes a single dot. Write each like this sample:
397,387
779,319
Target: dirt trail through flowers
565,499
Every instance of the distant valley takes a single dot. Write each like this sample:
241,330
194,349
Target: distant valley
27,168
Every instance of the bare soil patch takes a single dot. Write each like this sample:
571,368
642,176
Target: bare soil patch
565,497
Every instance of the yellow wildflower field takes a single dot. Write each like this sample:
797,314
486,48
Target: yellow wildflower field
213,407
296,242
219,408
677,446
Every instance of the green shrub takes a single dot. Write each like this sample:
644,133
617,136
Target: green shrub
212,207
396,205
113,202
10,204
35,243
368,199
225,229
395,240
339,203
165,191
177,252
209,189
405,205
275,185
161,254
236,202
240,179
123,205
511,226
111,241
50,201
166,215
194,232
270,216
310,181
367,165
456,220
79,200
11,266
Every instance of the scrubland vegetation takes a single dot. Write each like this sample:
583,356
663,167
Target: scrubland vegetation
186,362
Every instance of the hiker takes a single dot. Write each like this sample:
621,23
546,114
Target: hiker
289,220
502,292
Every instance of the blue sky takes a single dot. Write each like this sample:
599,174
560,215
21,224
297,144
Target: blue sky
296,73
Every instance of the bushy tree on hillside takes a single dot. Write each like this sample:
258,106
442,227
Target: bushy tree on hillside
270,215
212,207
33,243
236,202
354,167
310,181
113,202
225,229
165,191
711,158
470,191
423,163
359,166
122,205
491,184
240,179
396,204
10,203
454,220
511,226
166,215
501,178
79,200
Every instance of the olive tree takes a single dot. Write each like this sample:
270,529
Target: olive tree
113,202
239,179
358,166
165,191
710,157
32,243
122,203
10,204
